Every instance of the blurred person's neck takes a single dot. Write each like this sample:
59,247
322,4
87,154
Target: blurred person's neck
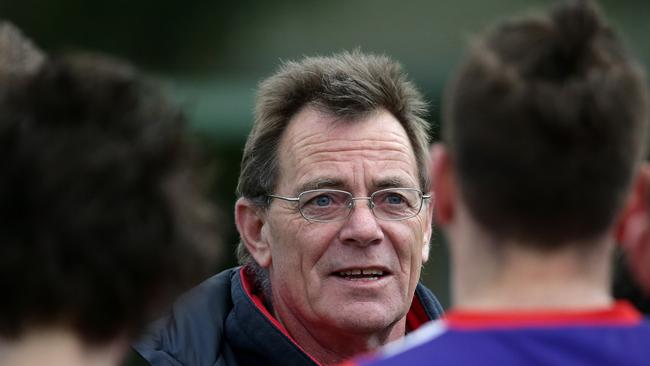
58,347
504,276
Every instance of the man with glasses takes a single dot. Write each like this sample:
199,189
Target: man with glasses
335,221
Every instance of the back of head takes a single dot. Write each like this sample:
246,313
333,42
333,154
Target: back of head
99,214
545,122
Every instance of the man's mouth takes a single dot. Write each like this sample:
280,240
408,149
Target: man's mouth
362,274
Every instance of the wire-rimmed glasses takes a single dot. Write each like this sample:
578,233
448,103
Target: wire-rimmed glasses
327,205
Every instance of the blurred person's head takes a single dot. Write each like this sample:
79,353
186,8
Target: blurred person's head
544,130
350,122
101,219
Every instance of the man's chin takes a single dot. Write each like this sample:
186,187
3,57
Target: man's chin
366,317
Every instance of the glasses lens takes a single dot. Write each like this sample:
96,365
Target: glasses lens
397,203
324,205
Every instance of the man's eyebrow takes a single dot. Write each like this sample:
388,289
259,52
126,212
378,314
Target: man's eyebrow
392,182
320,183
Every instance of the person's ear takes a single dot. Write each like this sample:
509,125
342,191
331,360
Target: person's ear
251,224
444,189
632,221
633,229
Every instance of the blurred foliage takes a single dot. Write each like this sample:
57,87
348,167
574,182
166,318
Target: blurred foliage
213,53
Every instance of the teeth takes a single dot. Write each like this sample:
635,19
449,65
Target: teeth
358,272
373,272
352,272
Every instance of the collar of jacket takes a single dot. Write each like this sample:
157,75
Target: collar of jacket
261,337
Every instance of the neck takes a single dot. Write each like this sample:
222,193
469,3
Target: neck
329,345
510,276
57,347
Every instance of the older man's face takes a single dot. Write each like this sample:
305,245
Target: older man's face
311,262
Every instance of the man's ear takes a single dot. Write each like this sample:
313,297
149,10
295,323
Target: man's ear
251,224
444,189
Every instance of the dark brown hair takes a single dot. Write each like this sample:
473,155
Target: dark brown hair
545,121
100,218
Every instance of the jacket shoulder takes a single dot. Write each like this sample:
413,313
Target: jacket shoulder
191,332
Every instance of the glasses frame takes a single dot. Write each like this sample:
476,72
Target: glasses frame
351,204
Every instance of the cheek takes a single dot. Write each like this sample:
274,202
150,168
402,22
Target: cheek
408,240
298,245
317,240
415,236
284,243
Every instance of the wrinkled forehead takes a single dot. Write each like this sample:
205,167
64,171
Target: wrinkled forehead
318,150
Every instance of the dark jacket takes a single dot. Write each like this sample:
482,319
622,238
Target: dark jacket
220,323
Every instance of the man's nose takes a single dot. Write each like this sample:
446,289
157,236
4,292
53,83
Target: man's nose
361,228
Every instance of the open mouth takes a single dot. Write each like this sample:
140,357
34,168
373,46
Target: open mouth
361,274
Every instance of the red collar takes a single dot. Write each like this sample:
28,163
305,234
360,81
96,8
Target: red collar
259,304
414,318
620,313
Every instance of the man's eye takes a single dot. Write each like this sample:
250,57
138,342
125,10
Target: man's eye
321,201
394,199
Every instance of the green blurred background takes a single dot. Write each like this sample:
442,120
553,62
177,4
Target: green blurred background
212,54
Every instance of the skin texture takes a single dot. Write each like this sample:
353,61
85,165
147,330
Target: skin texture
58,346
331,317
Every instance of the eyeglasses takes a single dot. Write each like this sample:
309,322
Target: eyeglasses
327,205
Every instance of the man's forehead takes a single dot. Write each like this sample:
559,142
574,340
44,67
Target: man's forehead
322,151
310,119
311,130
